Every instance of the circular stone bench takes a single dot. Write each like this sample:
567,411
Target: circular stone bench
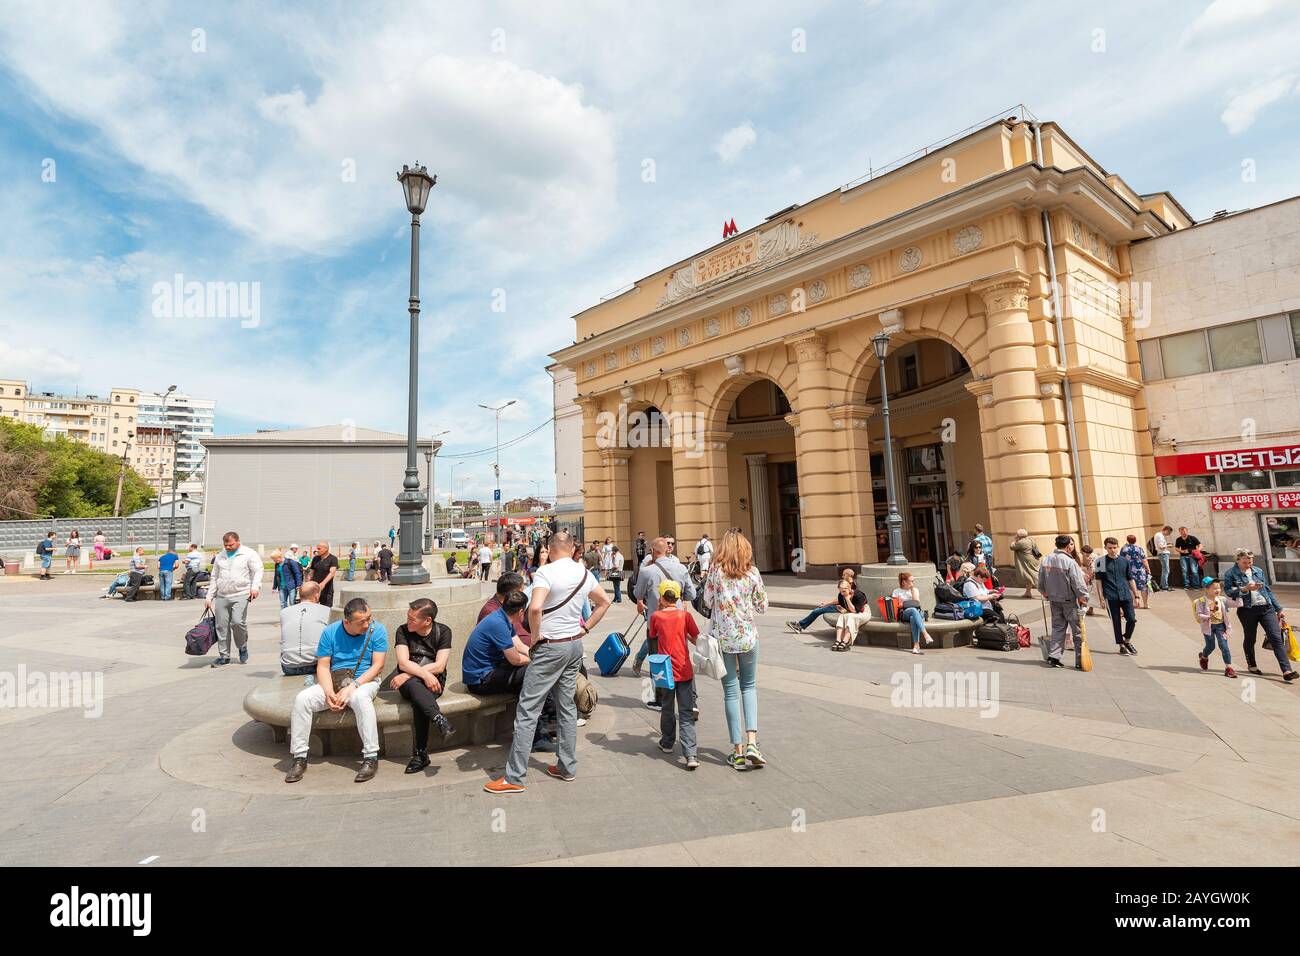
478,719
899,633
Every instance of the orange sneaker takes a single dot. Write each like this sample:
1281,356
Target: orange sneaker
558,774
503,786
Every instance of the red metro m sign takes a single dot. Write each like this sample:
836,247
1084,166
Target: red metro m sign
729,229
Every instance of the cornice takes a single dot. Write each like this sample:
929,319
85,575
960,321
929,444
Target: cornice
1026,186
1091,375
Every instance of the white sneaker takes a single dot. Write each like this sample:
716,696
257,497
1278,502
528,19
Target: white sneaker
582,721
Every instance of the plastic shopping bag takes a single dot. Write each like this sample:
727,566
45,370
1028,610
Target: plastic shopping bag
706,657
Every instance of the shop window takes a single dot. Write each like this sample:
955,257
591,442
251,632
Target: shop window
1287,479
1245,481
1295,330
1190,485
1235,346
1184,354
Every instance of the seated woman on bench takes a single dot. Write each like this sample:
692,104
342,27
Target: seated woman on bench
848,574
910,595
974,589
852,605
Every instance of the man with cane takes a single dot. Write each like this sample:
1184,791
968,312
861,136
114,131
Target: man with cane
1061,583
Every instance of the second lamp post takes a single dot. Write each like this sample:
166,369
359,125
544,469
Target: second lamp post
894,521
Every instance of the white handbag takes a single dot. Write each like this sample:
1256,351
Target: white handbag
706,657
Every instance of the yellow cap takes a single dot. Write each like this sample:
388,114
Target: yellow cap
670,586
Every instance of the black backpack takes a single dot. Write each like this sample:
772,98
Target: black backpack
945,593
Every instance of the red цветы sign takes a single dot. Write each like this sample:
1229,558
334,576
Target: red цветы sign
1243,502
1212,462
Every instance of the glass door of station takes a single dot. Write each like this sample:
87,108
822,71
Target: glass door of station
1282,534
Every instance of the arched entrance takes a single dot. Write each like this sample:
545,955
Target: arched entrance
651,488
938,448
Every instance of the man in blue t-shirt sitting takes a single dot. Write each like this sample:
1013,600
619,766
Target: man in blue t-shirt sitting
495,657
355,646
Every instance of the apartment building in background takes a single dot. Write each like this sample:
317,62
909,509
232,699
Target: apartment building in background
125,421
191,420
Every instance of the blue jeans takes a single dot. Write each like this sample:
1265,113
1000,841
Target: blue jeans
618,590
288,596
740,693
1189,572
815,613
1164,571
165,584
298,670
1218,632
914,617
118,582
352,569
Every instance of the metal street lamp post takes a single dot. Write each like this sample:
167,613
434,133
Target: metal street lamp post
416,184
429,455
496,468
121,474
157,518
893,520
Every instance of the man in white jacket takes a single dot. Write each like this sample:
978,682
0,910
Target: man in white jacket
236,580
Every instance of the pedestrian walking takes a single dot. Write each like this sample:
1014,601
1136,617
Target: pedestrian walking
236,580
1062,583
1211,610
1259,606
291,578
1026,557
672,626
734,592
1119,589
45,551
614,572
1136,556
555,621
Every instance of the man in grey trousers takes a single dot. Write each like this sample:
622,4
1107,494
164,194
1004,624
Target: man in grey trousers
1060,580
555,620
236,580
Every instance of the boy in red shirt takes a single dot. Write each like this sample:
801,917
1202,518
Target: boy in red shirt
671,627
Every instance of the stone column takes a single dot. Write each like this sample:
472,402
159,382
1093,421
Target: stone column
691,491
850,425
1011,416
619,525
820,461
715,484
760,509
597,519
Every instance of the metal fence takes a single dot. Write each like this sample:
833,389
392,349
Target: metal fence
121,534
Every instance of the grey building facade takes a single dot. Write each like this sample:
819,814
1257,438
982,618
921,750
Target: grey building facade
334,483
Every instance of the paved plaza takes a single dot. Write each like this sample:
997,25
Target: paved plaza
1144,761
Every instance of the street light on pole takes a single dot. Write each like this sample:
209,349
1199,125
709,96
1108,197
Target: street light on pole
157,518
894,521
496,468
121,474
430,454
416,184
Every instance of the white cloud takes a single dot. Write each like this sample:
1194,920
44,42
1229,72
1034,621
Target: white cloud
1224,16
735,141
1244,107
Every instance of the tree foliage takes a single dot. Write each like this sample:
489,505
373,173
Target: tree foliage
61,478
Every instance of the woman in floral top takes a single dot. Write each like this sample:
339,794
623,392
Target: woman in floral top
735,593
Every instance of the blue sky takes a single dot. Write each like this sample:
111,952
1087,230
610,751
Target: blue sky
221,155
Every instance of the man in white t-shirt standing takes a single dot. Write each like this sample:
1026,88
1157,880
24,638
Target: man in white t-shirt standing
484,560
1160,541
704,553
555,620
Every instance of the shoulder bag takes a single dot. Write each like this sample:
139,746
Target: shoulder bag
348,675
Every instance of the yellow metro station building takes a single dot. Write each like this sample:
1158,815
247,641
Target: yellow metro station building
741,388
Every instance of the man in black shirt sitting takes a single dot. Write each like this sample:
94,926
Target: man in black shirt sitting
423,650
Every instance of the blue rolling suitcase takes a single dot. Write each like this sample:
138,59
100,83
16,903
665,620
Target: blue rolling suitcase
615,649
